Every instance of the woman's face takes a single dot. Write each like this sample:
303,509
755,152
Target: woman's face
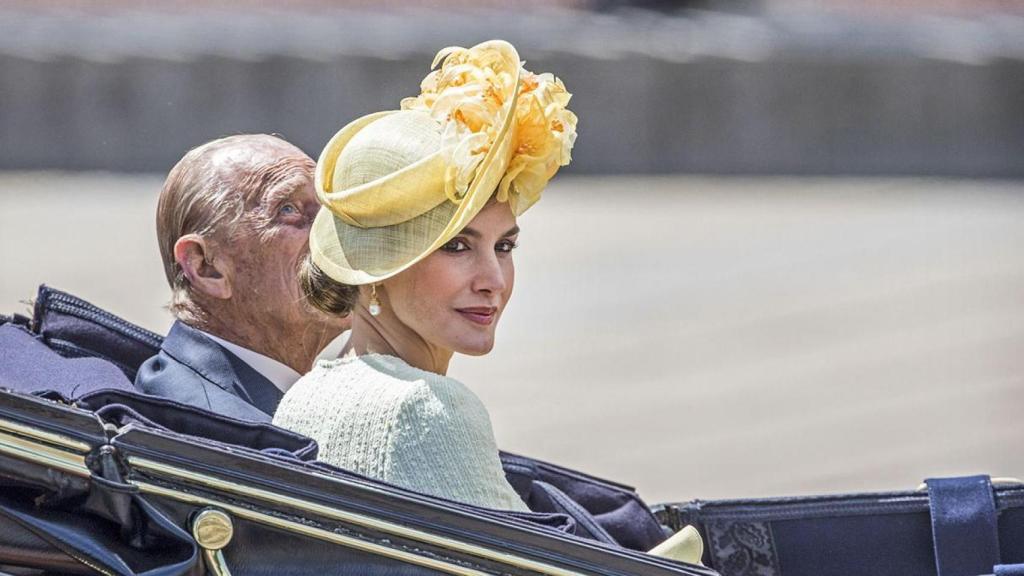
454,297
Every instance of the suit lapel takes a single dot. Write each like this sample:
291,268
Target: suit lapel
220,367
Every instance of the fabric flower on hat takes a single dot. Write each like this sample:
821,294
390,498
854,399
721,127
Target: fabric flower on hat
544,137
467,96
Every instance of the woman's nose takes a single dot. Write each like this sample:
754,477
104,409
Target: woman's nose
490,276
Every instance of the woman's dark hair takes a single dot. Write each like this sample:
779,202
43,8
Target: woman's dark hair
325,293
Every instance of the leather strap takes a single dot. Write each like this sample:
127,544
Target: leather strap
964,530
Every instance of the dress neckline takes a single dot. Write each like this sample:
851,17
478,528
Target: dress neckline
385,363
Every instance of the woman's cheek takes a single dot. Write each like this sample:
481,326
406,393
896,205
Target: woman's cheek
511,280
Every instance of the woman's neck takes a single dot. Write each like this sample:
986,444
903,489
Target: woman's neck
385,334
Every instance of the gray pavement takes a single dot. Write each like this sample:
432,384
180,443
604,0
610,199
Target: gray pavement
696,337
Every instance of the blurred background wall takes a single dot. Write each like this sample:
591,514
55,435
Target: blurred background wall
726,87
788,256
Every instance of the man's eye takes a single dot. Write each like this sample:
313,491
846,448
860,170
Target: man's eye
288,210
455,245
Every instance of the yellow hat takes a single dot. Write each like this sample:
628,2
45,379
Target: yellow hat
395,186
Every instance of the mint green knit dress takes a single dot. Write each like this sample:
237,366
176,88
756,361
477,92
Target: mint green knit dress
382,418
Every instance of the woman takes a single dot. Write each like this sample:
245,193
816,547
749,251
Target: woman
415,237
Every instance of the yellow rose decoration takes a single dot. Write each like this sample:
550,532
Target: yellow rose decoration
467,94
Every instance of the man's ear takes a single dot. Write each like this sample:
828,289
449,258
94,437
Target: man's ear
206,274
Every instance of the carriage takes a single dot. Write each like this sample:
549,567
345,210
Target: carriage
98,478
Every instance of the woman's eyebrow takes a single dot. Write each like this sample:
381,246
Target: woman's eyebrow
474,234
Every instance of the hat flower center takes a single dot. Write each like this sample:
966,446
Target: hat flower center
467,96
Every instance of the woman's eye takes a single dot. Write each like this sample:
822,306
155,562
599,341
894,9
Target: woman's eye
506,246
455,245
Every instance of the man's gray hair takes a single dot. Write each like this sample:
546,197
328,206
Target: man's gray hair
200,197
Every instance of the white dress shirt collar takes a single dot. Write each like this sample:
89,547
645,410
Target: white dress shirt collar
281,375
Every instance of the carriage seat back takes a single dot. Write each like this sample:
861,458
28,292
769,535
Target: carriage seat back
75,328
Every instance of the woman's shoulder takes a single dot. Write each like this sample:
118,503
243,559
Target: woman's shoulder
343,388
378,374
369,369
395,371
419,394
380,385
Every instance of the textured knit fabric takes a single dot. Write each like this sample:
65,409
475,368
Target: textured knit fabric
380,417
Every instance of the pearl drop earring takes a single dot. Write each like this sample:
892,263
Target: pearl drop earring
374,303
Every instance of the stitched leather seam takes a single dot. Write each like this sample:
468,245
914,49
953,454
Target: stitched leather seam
859,509
66,305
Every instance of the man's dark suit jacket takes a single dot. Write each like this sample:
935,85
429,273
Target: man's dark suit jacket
193,369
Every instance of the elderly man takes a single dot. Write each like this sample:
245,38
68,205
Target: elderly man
233,224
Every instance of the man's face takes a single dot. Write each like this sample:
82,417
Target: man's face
269,241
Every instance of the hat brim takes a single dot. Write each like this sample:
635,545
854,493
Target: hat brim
329,252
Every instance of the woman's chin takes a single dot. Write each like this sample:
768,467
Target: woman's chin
478,348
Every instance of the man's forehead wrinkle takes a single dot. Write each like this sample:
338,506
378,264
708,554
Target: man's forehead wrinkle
263,182
245,154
